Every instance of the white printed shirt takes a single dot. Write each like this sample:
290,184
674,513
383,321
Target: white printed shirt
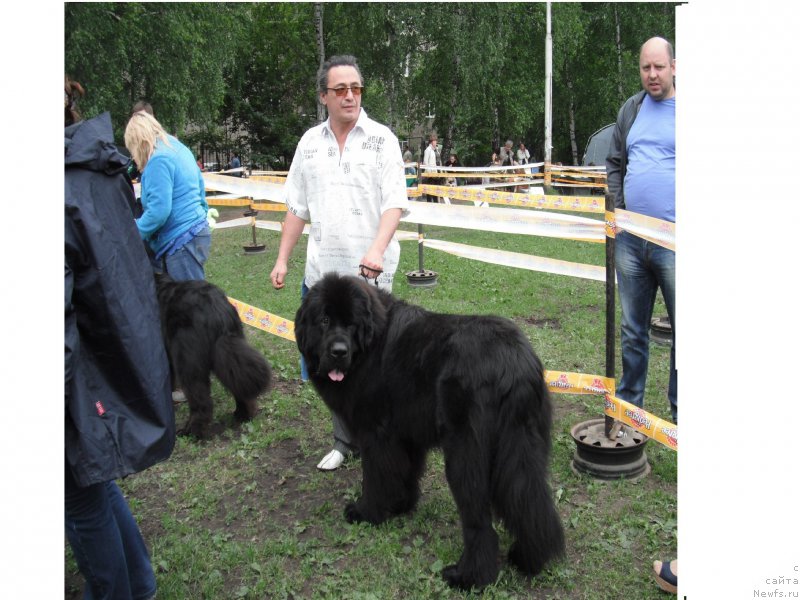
343,197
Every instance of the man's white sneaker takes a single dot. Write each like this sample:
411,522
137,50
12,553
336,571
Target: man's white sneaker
332,461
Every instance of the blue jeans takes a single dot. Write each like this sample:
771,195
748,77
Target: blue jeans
106,542
187,262
643,267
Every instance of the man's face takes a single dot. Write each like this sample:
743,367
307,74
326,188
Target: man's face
657,71
342,109
434,142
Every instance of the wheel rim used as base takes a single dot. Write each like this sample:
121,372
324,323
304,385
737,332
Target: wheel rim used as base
422,278
661,331
606,459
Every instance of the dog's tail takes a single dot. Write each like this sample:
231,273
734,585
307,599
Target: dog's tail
521,493
242,369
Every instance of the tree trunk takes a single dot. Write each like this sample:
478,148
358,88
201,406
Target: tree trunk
620,79
318,13
572,141
456,86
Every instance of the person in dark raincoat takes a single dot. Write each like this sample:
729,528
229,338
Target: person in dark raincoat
118,417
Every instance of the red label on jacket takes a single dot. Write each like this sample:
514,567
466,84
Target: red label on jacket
100,410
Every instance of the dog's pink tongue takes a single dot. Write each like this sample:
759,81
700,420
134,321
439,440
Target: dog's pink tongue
336,375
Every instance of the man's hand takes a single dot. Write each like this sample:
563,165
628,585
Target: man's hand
371,265
278,274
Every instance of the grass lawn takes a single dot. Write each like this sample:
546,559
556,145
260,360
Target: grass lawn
247,515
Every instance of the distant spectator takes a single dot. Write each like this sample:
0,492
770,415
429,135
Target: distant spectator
494,162
432,159
523,155
453,162
200,163
507,154
235,164
410,169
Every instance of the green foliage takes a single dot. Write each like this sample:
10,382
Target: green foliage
250,68
172,55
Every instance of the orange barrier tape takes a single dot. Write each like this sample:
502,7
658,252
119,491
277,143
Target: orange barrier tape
653,427
261,319
591,204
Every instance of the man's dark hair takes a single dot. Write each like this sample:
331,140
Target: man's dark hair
341,60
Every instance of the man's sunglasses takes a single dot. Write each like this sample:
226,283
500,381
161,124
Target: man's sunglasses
342,91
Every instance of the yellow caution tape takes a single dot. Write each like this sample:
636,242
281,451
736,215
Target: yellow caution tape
590,204
268,206
212,201
269,178
650,425
611,224
243,186
261,319
577,383
653,427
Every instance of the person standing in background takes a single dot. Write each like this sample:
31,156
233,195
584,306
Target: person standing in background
173,223
432,158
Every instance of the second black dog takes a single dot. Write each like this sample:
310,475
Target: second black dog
203,334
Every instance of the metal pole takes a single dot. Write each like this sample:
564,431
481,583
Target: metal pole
610,299
548,91
420,237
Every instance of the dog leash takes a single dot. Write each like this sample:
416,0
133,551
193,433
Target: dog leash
363,269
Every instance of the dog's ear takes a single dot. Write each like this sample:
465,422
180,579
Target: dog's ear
306,331
372,319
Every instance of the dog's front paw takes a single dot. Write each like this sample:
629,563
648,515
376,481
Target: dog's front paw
452,575
193,429
352,514
456,578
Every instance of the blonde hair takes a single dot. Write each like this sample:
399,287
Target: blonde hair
141,135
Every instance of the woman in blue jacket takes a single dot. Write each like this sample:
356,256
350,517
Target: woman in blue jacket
174,221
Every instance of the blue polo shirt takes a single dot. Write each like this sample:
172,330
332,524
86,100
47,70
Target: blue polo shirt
650,177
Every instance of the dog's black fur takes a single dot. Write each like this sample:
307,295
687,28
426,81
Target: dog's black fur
203,334
404,380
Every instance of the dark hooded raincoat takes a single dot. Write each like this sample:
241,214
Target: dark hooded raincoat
118,408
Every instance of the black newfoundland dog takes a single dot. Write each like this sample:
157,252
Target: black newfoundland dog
405,380
203,334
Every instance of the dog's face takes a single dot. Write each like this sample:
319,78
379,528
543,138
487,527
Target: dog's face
336,324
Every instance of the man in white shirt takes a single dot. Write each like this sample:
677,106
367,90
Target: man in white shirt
431,158
347,180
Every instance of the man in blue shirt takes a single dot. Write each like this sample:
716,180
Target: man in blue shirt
641,176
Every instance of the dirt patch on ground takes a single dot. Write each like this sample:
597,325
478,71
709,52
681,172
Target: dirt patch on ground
542,323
